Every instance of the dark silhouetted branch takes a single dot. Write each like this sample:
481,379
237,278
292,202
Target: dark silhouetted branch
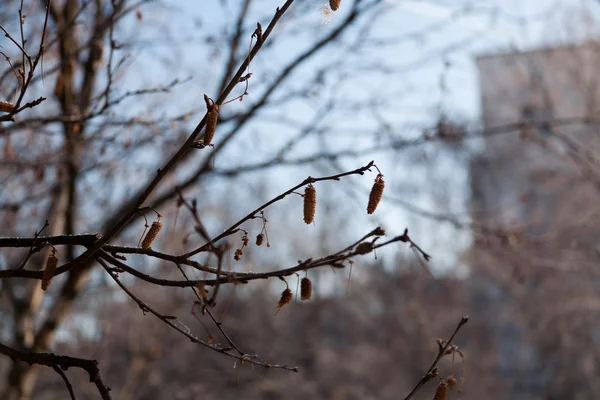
62,362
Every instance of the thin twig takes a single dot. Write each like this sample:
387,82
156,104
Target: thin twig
430,374
252,214
173,161
66,380
33,244
167,319
17,108
217,323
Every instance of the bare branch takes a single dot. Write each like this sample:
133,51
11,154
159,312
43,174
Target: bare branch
170,321
63,362
251,215
161,173
431,372
17,107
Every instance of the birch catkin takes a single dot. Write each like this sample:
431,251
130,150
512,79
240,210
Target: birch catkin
286,298
260,238
310,204
6,107
334,4
305,289
441,392
376,194
211,124
151,235
49,270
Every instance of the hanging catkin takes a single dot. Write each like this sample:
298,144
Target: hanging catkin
441,392
49,270
5,106
310,204
260,238
286,297
376,193
305,289
151,235
211,123
334,4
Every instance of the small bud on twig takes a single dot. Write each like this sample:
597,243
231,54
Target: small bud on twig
364,248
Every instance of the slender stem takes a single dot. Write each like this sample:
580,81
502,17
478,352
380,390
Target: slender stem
442,352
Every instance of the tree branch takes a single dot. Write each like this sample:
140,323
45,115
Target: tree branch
86,239
161,173
431,372
63,362
251,215
184,330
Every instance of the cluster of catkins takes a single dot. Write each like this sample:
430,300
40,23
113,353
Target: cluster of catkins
305,293
310,199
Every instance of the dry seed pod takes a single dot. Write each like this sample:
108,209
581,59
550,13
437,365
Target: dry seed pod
49,270
441,392
5,106
286,297
305,289
376,193
334,4
151,235
310,204
211,124
260,238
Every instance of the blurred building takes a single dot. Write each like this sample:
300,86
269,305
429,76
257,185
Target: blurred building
539,143
536,176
